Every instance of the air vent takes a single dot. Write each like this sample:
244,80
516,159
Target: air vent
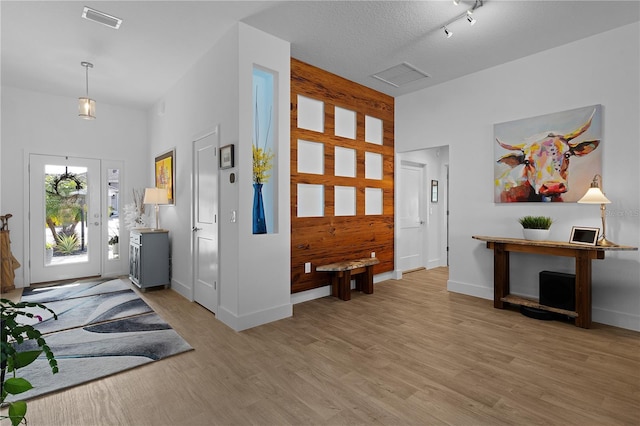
401,74
101,18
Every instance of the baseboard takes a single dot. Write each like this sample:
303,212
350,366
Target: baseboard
182,289
615,319
317,293
314,293
254,319
434,264
599,315
470,289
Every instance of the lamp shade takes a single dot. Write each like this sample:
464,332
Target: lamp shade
87,108
155,196
594,196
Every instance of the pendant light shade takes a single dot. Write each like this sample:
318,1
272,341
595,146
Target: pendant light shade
86,105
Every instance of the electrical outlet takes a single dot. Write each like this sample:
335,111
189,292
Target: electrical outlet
373,254
307,268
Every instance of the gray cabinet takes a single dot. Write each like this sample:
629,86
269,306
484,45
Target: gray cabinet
149,258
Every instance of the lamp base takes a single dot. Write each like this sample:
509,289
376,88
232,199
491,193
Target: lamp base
603,242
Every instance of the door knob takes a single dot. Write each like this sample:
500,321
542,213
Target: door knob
194,229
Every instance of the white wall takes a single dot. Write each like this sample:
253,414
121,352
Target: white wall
602,69
206,97
264,273
254,272
39,123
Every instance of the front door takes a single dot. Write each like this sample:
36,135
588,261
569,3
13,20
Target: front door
65,218
411,217
205,221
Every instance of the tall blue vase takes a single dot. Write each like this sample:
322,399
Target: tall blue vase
259,223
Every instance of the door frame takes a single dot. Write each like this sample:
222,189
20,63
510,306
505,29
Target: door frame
26,229
213,130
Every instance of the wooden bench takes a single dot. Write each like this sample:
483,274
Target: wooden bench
341,273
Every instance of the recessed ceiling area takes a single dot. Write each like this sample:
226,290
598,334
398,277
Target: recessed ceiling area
43,42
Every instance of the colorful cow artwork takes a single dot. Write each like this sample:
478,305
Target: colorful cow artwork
536,169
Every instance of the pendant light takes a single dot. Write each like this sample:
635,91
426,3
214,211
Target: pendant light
86,105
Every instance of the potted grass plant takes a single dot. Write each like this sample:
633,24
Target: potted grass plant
536,228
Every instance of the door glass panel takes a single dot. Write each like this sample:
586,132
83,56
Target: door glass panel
65,215
113,213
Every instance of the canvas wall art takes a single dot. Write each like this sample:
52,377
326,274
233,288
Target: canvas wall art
165,173
549,158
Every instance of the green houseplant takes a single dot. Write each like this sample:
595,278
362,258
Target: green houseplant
15,333
536,227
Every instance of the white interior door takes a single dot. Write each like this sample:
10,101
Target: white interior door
64,214
205,221
411,217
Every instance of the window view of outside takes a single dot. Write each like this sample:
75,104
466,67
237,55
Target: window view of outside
66,214
113,212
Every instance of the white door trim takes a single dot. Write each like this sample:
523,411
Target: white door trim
96,209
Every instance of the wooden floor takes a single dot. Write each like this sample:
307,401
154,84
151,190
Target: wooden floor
409,354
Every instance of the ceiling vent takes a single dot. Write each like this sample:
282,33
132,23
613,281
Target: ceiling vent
401,74
101,18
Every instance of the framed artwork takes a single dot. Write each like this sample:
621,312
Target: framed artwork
226,157
549,158
582,235
434,191
165,168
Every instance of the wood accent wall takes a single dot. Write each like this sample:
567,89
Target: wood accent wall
328,239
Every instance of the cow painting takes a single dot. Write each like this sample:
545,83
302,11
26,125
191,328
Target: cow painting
537,168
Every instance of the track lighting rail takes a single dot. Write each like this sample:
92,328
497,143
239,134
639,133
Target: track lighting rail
468,15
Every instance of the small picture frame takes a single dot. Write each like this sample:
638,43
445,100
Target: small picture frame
584,235
226,157
434,191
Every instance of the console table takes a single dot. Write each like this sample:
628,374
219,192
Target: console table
582,253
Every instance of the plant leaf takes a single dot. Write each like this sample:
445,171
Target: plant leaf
22,359
16,385
17,411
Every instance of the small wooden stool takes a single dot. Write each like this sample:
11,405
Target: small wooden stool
341,276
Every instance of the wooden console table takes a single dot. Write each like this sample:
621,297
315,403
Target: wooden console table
342,273
582,253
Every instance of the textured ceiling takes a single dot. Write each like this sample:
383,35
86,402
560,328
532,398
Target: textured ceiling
43,43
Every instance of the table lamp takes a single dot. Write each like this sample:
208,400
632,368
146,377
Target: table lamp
595,195
156,196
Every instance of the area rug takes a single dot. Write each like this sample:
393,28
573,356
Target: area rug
82,311
116,333
73,290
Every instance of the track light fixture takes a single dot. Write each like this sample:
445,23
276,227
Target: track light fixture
470,18
468,15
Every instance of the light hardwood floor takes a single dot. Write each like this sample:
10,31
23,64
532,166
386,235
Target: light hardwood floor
409,354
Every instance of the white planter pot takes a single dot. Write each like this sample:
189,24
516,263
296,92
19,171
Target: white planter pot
536,234
48,256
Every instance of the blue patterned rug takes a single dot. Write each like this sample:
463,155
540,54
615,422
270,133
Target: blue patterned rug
106,330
